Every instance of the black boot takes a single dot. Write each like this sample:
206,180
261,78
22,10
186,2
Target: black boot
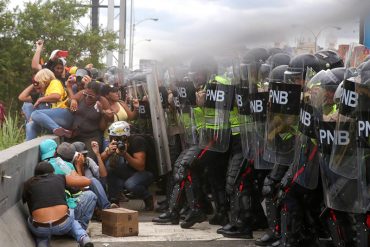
194,216
226,227
184,212
167,217
238,232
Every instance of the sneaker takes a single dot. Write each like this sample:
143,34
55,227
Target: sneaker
85,242
194,216
62,132
149,204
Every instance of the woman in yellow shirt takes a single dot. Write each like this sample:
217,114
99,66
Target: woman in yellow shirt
59,118
120,110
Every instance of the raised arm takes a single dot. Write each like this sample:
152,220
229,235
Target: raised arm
36,57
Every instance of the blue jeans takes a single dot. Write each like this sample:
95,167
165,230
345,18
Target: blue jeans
85,208
102,199
70,226
50,119
28,108
123,176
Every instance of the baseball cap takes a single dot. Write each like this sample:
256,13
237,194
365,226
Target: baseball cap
47,148
80,147
53,53
66,151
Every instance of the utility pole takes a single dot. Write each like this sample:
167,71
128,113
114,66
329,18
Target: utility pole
110,28
95,6
94,14
122,35
362,30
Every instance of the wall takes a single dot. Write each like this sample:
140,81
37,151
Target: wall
18,162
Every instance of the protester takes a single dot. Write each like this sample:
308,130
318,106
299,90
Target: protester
83,202
45,197
59,118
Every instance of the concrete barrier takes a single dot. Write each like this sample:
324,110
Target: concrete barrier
16,166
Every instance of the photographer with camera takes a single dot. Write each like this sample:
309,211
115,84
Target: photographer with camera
127,158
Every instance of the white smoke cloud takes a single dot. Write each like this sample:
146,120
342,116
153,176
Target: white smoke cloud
216,26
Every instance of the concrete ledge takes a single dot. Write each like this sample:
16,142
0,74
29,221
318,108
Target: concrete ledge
18,164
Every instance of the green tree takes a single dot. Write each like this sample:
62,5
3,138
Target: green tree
58,23
55,21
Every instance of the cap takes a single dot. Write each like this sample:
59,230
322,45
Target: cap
47,148
66,151
53,53
80,147
82,72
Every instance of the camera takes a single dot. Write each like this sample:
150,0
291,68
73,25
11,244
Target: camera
121,146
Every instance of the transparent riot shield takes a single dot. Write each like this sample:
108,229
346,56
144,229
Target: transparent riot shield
158,125
243,105
216,131
190,115
138,90
345,148
344,152
305,167
245,119
282,119
258,96
363,144
340,192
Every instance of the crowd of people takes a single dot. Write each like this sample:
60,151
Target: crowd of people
271,127
99,151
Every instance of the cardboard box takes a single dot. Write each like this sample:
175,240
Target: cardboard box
120,222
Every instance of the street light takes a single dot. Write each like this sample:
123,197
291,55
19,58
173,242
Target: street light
316,35
132,39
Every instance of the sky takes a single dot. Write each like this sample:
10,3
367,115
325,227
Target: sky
189,27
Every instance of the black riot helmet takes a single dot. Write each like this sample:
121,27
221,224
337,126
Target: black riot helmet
296,72
274,50
329,59
255,55
277,74
365,71
339,74
278,59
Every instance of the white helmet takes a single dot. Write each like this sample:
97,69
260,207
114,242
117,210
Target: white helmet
119,128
